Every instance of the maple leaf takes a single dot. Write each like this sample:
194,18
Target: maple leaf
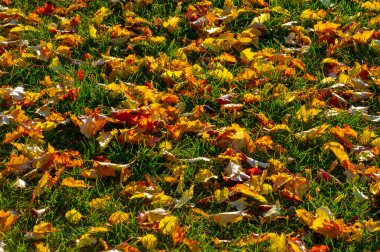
184,126
235,137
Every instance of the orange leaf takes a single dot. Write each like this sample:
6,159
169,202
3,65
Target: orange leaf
71,182
178,234
118,217
7,219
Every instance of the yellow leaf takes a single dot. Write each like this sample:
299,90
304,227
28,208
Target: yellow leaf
56,65
371,5
100,15
305,216
261,19
372,226
280,127
105,138
221,74
321,27
118,217
250,192
149,241
305,114
280,179
337,149
42,183
204,175
158,40
86,240
99,203
73,216
93,230
161,199
168,224
171,24
21,28
40,247
312,133
247,55
375,142
71,182
93,31
313,15
72,40
278,242
40,230
221,195
363,37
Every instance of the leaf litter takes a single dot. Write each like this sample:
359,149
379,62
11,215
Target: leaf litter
211,85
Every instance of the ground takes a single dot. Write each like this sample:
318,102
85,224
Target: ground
189,125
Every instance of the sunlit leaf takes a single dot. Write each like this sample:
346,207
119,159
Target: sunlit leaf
71,182
73,216
167,225
118,217
149,241
337,149
228,217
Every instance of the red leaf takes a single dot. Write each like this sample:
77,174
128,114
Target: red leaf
45,10
80,74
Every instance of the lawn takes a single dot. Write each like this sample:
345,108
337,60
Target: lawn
158,125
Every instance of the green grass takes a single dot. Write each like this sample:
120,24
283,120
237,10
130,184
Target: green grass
147,161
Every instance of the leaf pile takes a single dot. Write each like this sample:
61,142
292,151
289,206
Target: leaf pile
190,125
